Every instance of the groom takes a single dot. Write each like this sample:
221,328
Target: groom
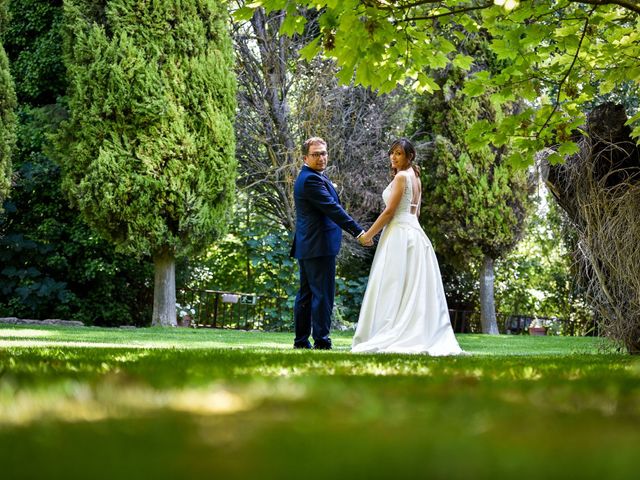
319,218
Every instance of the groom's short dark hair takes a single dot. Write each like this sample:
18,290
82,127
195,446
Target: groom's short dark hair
311,141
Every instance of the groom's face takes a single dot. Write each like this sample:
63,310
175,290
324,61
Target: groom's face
317,157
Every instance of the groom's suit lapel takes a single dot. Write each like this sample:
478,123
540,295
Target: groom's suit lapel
332,189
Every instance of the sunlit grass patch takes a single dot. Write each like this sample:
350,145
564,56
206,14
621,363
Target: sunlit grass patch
25,333
163,338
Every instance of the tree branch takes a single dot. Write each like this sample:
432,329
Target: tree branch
451,12
397,5
631,5
628,4
568,72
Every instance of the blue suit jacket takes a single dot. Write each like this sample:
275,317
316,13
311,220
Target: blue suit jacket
319,217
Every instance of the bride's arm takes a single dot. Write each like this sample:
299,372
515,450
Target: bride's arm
397,189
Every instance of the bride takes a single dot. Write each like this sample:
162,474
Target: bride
404,309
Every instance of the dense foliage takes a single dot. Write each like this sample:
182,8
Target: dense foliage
33,40
562,53
7,111
53,265
536,278
148,151
253,257
474,202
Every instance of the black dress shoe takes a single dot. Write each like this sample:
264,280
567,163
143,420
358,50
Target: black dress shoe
303,346
322,345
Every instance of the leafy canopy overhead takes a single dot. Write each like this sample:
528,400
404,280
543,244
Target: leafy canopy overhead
557,56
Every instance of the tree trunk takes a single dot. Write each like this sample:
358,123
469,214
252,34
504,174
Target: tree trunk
633,344
487,300
164,292
249,282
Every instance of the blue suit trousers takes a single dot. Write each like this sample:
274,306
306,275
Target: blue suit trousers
314,302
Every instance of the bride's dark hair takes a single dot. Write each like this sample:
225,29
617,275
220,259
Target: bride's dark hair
409,150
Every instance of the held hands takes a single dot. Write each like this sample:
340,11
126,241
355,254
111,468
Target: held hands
365,240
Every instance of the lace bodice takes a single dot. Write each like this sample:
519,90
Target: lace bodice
406,205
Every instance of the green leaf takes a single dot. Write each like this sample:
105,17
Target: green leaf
503,96
310,50
345,75
463,61
445,46
362,74
293,24
425,84
555,159
243,14
568,148
516,160
438,60
607,85
503,49
386,87
476,134
474,88
634,74
633,119
569,30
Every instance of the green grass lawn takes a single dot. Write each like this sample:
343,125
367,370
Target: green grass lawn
96,403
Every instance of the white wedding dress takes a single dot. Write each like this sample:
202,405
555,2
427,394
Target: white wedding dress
404,309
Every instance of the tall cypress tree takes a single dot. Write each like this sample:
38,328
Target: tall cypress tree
53,265
148,151
474,203
7,112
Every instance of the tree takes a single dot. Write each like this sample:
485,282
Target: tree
266,130
7,112
562,52
474,203
285,99
34,46
53,265
536,278
599,188
148,151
